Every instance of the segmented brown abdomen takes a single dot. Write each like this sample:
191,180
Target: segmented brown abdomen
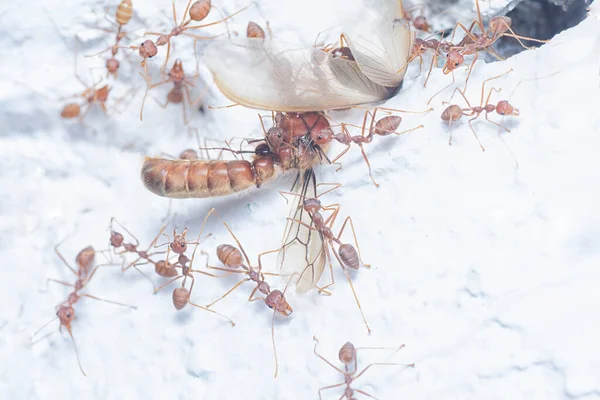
230,256
202,178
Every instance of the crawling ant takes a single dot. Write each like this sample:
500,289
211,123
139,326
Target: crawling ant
347,255
65,310
383,127
163,267
180,94
197,12
231,257
473,43
454,112
348,356
181,295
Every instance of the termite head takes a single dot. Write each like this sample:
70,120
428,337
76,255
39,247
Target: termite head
116,239
312,205
148,49
505,108
387,125
71,110
276,301
189,154
200,9
499,25
112,65
178,245
176,73
85,258
181,296
452,113
347,353
453,60
321,137
421,23
349,256
66,315
230,256
253,30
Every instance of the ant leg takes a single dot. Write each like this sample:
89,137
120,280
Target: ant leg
158,289
162,70
475,133
364,393
113,219
63,259
212,311
500,126
228,292
57,281
76,351
324,359
490,92
252,294
370,365
219,21
353,291
148,87
349,219
330,387
471,70
433,61
108,301
340,156
490,50
444,88
362,150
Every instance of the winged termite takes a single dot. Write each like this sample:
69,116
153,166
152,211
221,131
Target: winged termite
379,38
270,75
287,146
302,255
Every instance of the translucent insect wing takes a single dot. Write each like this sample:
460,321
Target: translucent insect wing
379,38
302,252
268,75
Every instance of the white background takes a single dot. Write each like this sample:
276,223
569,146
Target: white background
487,272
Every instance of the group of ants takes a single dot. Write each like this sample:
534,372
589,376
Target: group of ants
174,263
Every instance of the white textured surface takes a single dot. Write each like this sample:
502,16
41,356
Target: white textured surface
488,273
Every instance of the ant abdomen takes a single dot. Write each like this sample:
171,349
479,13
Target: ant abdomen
230,256
349,256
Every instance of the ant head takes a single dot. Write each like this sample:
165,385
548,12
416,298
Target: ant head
276,301
312,205
176,72
505,108
178,245
66,315
200,9
116,239
347,353
452,113
453,60
148,49
321,137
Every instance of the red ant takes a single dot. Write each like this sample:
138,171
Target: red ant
454,112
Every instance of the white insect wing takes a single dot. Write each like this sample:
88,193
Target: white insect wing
267,75
379,38
302,256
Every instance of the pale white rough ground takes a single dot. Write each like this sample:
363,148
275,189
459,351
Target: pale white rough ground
488,273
